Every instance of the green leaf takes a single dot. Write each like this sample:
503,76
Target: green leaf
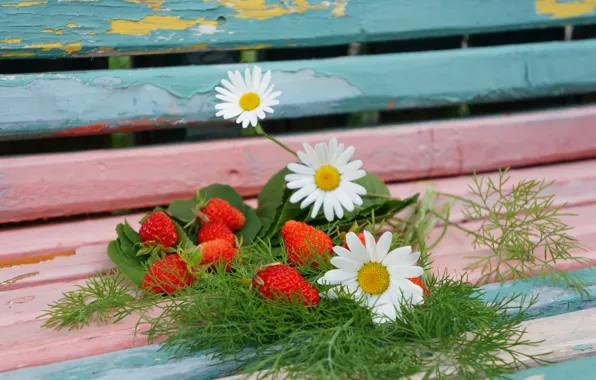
184,241
182,210
224,192
289,211
271,200
251,227
128,264
130,233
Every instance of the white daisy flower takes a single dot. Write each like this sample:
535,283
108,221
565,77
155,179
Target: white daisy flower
374,277
325,178
247,98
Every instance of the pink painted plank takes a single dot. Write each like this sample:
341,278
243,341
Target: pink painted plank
44,186
575,185
25,344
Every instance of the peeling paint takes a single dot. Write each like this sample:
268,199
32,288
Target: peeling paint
69,48
56,31
560,9
11,40
25,3
152,4
20,54
14,280
150,23
340,8
72,25
33,260
258,10
582,347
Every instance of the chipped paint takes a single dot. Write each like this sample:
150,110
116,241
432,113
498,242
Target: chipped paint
11,40
25,3
582,347
152,4
72,25
340,8
154,22
33,260
19,54
258,10
56,31
560,9
253,47
14,280
69,48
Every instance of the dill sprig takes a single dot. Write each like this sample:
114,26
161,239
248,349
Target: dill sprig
106,297
522,230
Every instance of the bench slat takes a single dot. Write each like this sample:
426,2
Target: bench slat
113,27
35,187
106,101
575,185
156,363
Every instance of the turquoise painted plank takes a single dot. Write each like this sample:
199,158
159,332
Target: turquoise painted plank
105,101
580,369
149,363
45,28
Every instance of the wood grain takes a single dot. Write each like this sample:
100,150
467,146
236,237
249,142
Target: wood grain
102,101
113,27
45,186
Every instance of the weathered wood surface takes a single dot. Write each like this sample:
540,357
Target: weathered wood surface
103,101
150,363
24,343
575,185
576,369
44,186
111,27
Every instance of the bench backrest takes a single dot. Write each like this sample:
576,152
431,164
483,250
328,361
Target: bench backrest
400,60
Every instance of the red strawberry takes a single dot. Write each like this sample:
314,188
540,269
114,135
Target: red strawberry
159,228
283,282
418,281
167,275
219,210
302,240
216,230
218,250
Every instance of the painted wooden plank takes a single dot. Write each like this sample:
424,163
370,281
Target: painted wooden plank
579,369
151,363
44,186
103,101
575,185
138,27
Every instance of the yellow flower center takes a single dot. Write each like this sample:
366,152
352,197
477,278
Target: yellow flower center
327,178
250,101
373,278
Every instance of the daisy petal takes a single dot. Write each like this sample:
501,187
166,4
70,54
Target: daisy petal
401,256
256,78
303,192
311,198
351,167
405,271
265,82
384,244
344,199
336,276
300,183
371,246
346,264
300,169
345,156
317,206
339,211
328,207
349,255
355,245
353,175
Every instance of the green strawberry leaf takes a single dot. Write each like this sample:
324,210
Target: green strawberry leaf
184,241
224,192
251,227
122,252
130,233
271,201
181,209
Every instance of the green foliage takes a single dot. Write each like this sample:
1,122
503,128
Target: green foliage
522,230
123,253
104,298
337,339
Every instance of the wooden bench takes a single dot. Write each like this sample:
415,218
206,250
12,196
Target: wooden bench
489,84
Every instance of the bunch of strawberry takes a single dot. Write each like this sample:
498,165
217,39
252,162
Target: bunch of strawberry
175,269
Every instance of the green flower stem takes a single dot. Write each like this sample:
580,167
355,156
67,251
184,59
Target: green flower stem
262,132
447,221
